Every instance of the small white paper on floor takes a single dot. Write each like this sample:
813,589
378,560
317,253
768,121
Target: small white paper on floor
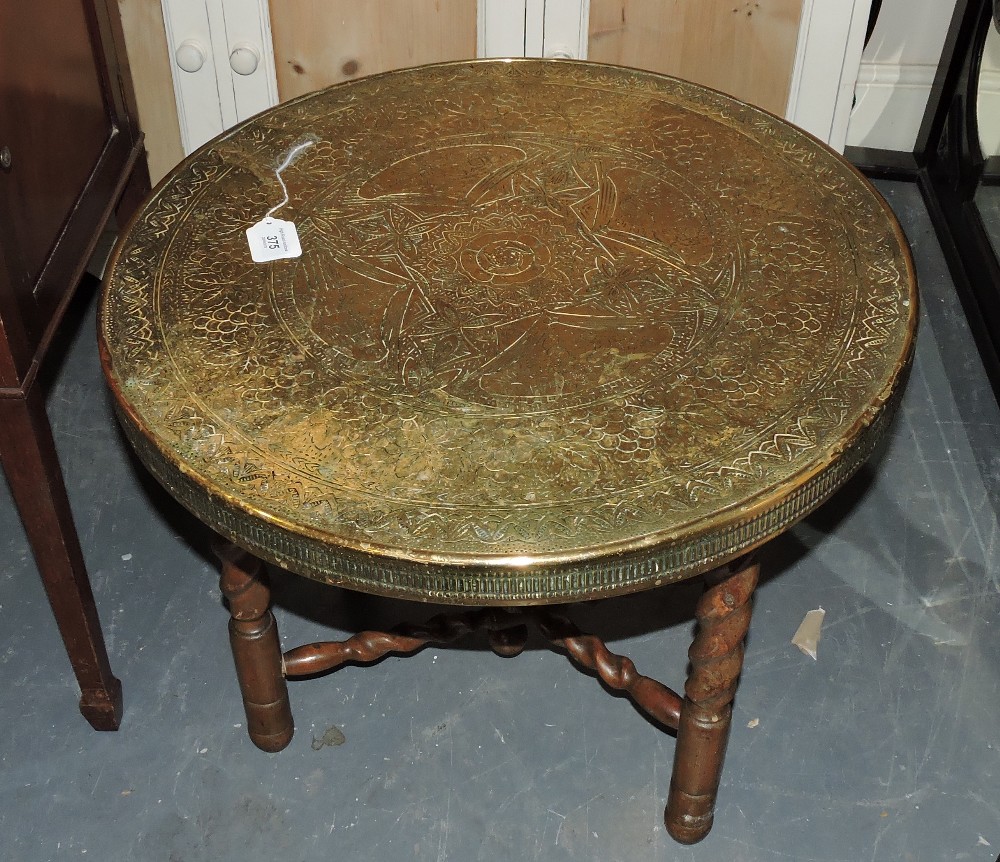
807,635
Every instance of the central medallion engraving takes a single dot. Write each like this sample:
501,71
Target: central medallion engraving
502,259
514,270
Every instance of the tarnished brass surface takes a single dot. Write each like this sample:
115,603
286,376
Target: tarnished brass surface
558,330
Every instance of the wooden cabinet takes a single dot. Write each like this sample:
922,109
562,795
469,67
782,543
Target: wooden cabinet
70,155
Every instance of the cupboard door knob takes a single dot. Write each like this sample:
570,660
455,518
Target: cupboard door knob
190,55
5,158
244,59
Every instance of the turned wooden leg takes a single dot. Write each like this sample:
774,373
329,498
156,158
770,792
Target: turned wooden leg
253,635
36,483
723,615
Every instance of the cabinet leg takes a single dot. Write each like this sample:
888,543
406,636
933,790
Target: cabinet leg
253,635
29,460
716,655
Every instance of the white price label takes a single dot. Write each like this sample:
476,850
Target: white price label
273,239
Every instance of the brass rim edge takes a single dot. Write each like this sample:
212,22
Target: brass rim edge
484,584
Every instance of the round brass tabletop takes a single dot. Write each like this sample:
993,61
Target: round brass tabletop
558,330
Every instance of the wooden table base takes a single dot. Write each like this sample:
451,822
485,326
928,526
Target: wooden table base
253,635
716,655
702,718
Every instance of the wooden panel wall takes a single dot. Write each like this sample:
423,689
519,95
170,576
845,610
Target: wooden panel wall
146,43
322,42
743,47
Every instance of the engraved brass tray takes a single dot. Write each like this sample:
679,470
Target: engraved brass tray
558,330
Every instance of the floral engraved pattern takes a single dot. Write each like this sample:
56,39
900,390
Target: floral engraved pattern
545,313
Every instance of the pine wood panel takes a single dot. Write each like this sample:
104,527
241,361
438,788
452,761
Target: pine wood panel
743,47
321,42
149,61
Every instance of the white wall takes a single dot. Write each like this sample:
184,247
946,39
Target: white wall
897,71
989,96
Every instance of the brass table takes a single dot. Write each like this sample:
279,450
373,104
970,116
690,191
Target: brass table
557,331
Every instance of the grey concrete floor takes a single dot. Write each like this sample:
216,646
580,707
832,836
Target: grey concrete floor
884,748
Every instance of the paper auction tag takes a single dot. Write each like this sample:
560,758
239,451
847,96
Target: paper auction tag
273,239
